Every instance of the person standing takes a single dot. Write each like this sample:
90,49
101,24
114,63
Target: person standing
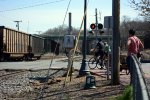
100,52
134,46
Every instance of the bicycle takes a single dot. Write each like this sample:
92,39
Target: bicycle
71,51
98,63
123,64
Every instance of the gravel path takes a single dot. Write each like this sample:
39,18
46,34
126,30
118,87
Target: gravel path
30,85
17,86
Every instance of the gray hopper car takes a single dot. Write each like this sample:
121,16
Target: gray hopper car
37,46
19,45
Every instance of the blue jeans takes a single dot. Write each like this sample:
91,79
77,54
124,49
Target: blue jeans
130,67
128,60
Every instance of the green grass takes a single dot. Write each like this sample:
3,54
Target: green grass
127,94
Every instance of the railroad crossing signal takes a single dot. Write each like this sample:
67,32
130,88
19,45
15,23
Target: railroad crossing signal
101,32
93,26
99,27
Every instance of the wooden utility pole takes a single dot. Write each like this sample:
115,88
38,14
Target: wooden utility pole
70,27
96,22
17,25
116,42
38,32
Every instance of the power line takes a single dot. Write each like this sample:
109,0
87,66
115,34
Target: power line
66,11
42,89
32,6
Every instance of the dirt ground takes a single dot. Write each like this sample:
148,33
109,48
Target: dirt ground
75,89
62,88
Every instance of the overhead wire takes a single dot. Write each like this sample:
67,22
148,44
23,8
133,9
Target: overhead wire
32,6
14,9
76,44
74,50
42,89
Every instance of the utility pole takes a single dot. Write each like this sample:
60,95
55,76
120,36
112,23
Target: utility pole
96,24
39,32
17,25
116,42
100,15
84,68
70,27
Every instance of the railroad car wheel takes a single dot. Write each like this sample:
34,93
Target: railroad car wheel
2,59
38,58
27,58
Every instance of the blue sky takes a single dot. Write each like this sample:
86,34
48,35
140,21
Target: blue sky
51,13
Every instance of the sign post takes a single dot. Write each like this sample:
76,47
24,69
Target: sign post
116,42
108,25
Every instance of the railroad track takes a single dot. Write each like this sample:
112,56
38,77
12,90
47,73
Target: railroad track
10,73
15,83
6,73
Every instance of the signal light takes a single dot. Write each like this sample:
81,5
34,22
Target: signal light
91,32
92,26
101,32
100,26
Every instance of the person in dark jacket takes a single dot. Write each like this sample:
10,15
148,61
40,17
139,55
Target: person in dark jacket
100,51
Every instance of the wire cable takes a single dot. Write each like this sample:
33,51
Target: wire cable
76,44
66,12
32,6
42,89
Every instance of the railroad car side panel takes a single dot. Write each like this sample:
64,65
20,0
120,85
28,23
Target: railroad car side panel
37,44
1,43
47,45
14,43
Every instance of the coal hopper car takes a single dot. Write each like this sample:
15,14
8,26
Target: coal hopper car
19,45
36,46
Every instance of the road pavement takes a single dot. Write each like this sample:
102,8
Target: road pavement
40,64
146,68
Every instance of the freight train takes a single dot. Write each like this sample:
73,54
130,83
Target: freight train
19,45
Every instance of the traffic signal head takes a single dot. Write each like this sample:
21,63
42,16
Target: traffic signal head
101,32
100,26
91,32
92,26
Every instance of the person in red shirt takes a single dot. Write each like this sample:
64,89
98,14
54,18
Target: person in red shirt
134,46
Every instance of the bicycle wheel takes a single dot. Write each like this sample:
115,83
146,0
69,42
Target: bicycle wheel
92,63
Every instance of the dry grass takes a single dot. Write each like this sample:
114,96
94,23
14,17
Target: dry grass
74,89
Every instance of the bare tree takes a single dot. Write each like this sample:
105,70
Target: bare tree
61,30
141,26
141,5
